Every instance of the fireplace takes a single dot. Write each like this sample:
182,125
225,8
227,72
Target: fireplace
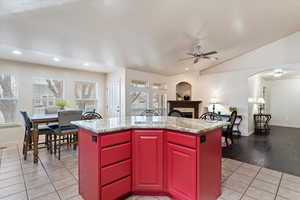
190,109
188,114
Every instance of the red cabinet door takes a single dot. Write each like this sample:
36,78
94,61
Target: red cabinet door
147,160
181,172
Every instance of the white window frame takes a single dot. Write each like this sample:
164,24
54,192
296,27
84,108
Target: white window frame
150,90
144,90
96,93
47,78
16,98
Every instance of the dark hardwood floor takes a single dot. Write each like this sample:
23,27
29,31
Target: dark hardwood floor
279,151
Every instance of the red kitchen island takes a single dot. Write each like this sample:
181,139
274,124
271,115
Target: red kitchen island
177,157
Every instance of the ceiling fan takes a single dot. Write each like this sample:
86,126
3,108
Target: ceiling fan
200,54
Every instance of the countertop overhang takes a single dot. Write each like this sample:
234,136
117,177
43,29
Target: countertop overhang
194,126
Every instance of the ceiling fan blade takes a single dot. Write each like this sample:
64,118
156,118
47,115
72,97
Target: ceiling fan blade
209,53
196,60
210,58
185,59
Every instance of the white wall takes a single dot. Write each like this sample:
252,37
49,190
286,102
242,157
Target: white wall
225,87
25,73
229,81
285,104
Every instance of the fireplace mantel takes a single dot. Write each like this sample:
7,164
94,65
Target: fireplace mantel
185,104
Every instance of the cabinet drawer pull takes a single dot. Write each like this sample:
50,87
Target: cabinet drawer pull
148,137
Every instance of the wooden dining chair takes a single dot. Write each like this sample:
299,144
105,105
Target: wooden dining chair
149,113
91,115
211,116
228,131
65,131
27,142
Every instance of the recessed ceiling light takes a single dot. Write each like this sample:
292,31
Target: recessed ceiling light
56,59
187,69
86,64
278,73
17,52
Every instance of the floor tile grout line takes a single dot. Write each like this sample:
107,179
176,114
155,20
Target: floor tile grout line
63,166
49,178
233,171
70,171
20,159
71,175
266,181
296,191
244,193
279,185
264,189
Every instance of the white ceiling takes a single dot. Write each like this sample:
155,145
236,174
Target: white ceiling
148,35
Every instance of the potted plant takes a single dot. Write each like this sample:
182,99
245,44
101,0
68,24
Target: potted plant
61,104
232,108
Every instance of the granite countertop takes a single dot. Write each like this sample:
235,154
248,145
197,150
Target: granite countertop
195,126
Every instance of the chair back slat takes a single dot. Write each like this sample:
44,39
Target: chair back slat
27,120
232,120
211,116
149,112
65,117
91,115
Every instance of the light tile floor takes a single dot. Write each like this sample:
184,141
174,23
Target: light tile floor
58,180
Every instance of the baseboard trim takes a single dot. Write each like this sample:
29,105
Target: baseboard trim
284,125
250,133
4,126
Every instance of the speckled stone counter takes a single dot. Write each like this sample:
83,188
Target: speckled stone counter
194,126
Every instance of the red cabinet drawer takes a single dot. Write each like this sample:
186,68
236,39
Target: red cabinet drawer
115,154
117,138
182,139
117,189
115,172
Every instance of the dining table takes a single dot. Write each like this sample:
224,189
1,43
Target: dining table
38,119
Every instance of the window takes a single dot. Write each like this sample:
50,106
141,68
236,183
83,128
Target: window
8,99
159,86
45,94
138,101
159,102
139,84
86,95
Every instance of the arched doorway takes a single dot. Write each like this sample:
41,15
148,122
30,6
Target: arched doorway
183,91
